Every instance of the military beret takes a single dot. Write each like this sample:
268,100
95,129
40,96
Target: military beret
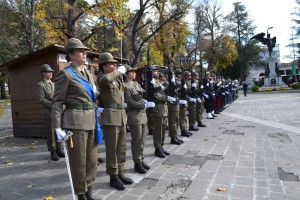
73,44
129,68
195,74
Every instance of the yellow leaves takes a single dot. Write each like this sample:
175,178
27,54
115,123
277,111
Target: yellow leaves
30,186
7,162
49,197
221,189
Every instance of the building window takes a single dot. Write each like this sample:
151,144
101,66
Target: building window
288,72
281,72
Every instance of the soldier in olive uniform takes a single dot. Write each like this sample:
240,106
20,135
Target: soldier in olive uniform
137,119
114,119
173,111
191,101
73,108
182,105
160,116
200,100
45,92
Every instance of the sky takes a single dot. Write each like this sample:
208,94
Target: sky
265,14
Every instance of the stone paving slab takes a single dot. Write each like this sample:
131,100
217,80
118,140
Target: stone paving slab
247,151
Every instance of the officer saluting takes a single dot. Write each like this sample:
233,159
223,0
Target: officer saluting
114,119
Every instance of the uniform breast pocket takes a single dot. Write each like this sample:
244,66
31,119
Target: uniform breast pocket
113,86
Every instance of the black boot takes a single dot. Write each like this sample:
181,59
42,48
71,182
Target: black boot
147,167
116,182
139,168
54,156
165,152
181,141
192,128
60,153
174,140
100,160
89,194
200,124
81,197
124,179
159,153
184,133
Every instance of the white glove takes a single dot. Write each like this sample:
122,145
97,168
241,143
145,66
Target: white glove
163,88
145,101
171,99
184,86
214,94
95,89
149,104
153,81
219,83
223,93
100,110
173,79
182,102
207,84
201,87
192,100
60,134
194,85
199,100
122,69
125,105
205,96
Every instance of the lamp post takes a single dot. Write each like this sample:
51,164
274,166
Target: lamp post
268,30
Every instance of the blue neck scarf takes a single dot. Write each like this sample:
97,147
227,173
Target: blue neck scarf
89,90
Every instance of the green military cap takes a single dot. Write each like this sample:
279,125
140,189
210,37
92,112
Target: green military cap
46,68
187,73
195,74
106,58
161,74
73,44
178,71
154,67
129,68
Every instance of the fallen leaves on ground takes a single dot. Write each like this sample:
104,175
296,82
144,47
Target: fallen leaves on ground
221,189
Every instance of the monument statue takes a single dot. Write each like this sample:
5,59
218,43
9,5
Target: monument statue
277,70
266,41
267,71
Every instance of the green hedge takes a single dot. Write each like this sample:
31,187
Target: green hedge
255,88
296,86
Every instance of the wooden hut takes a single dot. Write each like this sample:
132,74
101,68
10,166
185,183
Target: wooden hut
24,75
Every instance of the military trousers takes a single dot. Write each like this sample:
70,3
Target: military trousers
52,143
192,113
138,134
159,130
199,111
182,117
149,119
83,159
115,146
173,119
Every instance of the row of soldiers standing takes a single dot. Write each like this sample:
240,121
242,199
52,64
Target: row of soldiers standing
73,109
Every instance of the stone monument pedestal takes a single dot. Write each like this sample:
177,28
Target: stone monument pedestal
273,78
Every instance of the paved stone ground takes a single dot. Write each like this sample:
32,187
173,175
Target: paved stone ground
250,151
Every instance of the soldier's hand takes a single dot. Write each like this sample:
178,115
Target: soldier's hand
60,134
205,95
194,85
199,100
193,100
171,99
122,69
149,104
182,102
173,79
100,110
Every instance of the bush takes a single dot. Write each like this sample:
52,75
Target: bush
255,88
296,86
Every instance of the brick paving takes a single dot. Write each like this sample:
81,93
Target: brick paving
250,151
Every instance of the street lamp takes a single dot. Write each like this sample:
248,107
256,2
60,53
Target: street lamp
268,30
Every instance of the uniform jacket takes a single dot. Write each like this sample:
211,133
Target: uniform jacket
111,92
45,92
174,107
161,99
135,110
69,90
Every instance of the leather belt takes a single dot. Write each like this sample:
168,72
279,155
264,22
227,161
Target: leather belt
81,106
116,105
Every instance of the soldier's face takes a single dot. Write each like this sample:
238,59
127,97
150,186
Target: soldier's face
130,75
47,75
109,67
155,74
78,56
